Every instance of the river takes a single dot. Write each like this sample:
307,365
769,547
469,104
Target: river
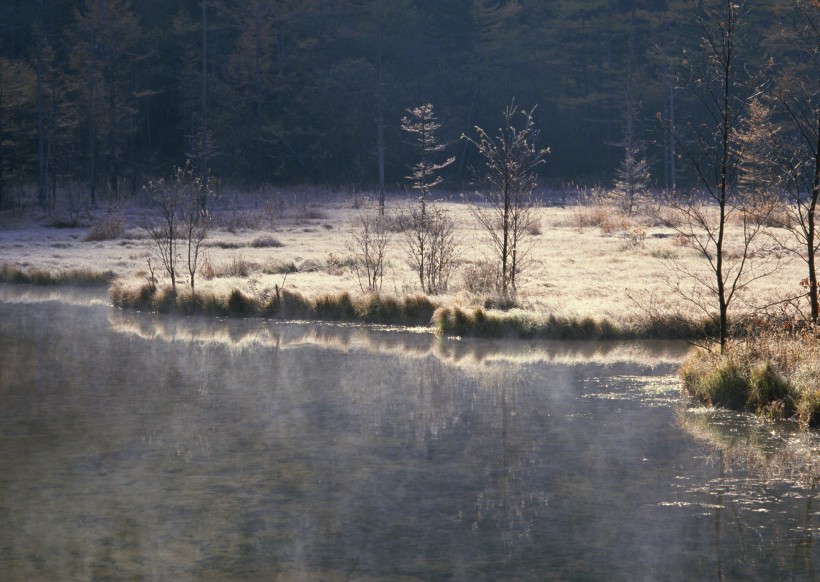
144,447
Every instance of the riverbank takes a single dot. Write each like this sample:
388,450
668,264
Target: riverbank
591,272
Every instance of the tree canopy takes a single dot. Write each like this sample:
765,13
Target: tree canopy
109,92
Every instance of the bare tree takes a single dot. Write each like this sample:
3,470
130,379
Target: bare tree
427,226
195,222
442,252
798,95
163,231
508,214
716,154
369,247
179,205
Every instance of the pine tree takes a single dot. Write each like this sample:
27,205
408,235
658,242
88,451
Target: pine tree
425,225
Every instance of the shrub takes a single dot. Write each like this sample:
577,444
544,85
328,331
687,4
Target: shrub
480,278
369,247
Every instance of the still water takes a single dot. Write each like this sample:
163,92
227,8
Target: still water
140,447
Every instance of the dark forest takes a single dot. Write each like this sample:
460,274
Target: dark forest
105,94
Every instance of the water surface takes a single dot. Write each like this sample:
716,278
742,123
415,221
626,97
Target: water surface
140,447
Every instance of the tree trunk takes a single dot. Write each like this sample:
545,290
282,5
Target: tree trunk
92,114
810,227
380,105
203,140
41,139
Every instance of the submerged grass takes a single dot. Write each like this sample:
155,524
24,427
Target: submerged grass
86,277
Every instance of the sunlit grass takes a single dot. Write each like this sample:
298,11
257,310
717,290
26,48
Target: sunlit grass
776,375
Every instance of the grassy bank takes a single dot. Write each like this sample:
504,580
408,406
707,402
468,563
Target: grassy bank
409,310
477,322
29,276
776,375
415,310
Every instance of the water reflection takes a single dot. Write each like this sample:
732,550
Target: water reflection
239,334
142,447
767,480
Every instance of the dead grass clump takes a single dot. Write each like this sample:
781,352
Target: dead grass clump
717,380
280,267
109,227
266,242
146,297
375,308
238,266
207,270
664,254
682,240
227,245
533,228
614,223
336,265
633,238
477,322
602,215
588,216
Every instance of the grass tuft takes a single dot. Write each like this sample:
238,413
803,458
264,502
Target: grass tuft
777,376
280,268
266,242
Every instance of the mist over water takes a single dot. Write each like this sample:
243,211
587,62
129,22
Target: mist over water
135,446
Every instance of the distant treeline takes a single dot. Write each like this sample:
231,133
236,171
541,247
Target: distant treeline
103,94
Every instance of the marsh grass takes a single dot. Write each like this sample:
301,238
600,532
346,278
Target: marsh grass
416,310
773,374
449,321
85,277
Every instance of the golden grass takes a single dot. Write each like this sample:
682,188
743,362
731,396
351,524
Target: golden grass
772,373
412,310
